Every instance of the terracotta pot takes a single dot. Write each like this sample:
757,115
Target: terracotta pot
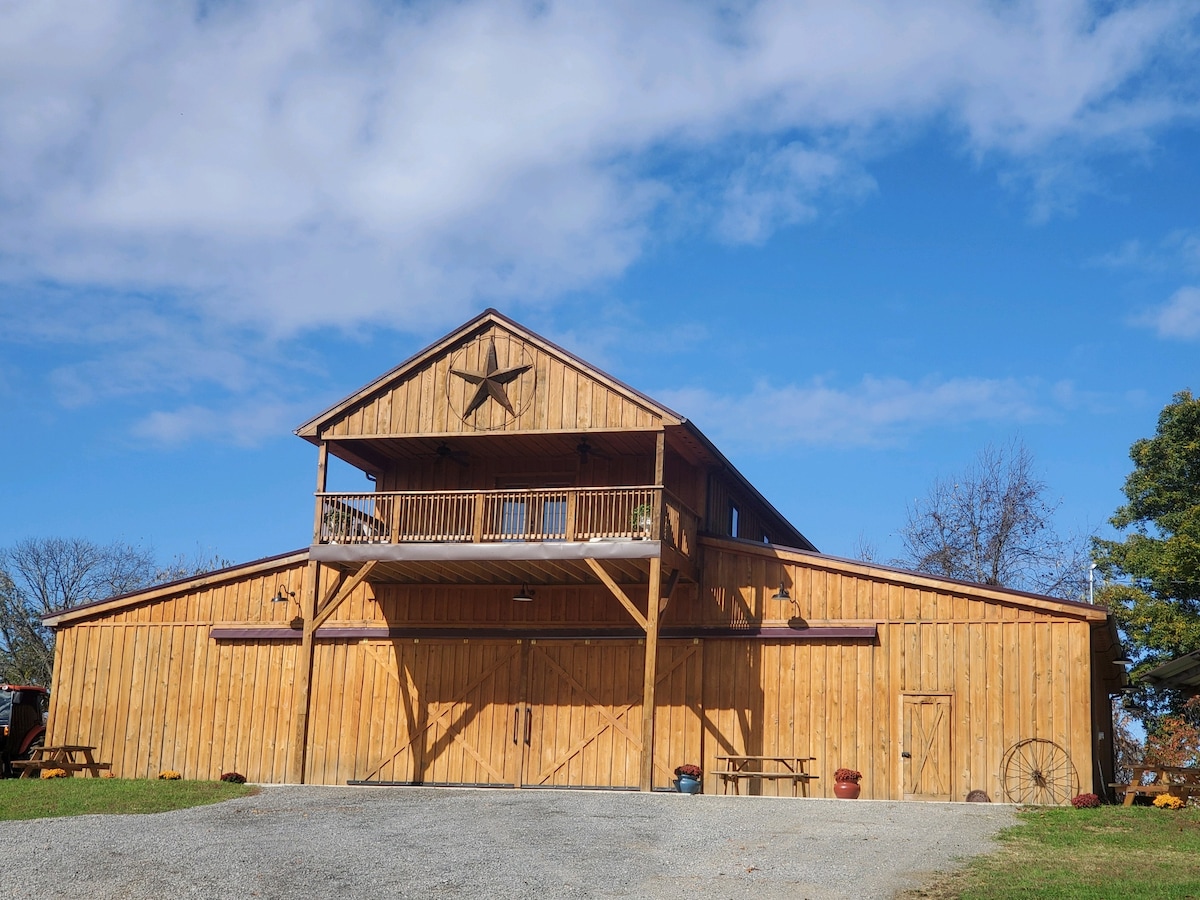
846,790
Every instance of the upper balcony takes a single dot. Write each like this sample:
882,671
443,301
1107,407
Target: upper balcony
531,514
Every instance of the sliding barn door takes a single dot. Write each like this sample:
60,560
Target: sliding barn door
449,716
583,716
543,713
925,761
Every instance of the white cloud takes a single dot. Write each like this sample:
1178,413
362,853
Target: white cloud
1178,251
298,165
244,426
780,187
1178,318
876,411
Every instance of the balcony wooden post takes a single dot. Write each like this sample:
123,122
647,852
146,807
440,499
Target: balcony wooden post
477,525
322,467
572,505
660,444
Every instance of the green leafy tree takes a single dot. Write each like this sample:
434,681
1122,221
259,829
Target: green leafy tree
1154,572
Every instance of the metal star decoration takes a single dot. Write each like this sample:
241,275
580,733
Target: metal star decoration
490,382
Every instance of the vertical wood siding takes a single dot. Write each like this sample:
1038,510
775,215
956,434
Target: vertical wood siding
1011,674
561,396
151,688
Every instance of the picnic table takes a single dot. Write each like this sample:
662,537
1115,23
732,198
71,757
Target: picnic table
766,768
71,758
1151,779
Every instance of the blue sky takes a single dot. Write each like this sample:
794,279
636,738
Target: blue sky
855,244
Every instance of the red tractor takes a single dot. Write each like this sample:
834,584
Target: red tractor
23,710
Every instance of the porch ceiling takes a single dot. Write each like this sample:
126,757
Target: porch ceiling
376,452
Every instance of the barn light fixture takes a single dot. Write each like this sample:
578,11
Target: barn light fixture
525,595
283,595
782,593
1122,661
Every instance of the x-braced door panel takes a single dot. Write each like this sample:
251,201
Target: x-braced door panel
925,758
449,722
583,725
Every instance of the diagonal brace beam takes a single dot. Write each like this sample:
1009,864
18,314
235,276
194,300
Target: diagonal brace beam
668,590
616,591
345,591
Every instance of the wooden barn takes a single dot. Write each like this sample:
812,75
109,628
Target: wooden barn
557,581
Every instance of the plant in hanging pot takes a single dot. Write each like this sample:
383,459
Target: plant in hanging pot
845,784
687,779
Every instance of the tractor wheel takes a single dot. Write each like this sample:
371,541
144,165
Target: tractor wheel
36,744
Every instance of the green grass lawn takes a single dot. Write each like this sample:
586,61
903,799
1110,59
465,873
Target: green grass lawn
1086,854
37,799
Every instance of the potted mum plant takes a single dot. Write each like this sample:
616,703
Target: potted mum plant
687,779
845,784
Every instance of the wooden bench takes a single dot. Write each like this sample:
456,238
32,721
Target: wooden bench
1178,781
71,758
766,768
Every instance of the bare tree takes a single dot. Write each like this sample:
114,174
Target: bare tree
41,575
864,548
994,525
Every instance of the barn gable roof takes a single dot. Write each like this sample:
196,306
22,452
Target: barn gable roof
426,394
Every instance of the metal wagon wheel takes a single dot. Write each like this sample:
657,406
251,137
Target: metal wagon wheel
1040,772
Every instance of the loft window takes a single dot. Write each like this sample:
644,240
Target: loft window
733,520
512,519
554,518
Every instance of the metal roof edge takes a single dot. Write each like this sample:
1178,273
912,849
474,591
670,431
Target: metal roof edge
151,592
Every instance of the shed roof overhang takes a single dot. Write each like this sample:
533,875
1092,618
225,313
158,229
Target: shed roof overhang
1182,673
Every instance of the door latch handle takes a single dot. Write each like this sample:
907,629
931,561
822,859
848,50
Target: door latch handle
516,721
905,754
528,724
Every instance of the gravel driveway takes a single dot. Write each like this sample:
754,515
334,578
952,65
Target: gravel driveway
359,842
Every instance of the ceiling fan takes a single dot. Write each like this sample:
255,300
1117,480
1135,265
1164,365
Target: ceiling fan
445,452
586,451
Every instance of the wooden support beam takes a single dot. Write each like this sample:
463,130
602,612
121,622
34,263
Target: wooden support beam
653,592
660,450
660,447
332,589
338,591
343,592
616,591
668,590
301,688
322,468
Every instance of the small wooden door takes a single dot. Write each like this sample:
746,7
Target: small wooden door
583,722
925,758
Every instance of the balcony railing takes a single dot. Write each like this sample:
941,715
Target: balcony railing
535,514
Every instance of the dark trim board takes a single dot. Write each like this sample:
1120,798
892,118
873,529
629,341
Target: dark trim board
383,632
